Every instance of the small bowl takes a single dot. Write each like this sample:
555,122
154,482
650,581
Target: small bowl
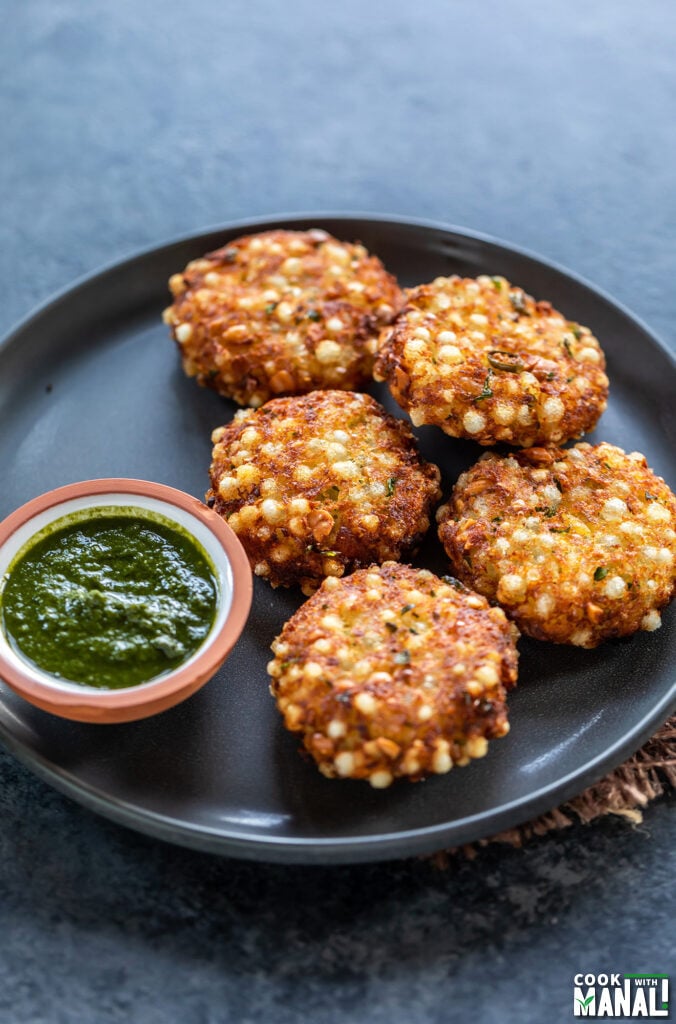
233,580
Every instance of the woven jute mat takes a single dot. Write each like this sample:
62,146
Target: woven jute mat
650,773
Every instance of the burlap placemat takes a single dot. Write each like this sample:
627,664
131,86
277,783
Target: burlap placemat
625,791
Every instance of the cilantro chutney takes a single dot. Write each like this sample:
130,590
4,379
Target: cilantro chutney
112,597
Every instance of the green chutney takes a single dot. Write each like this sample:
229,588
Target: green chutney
111,598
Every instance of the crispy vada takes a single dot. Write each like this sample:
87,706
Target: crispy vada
577,545
392,672
279,313
318,485
483,360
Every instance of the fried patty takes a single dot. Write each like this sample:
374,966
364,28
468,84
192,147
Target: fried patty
394,672
483,360
320,484
577,544
281,313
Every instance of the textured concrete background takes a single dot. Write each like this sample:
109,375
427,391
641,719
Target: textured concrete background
124,124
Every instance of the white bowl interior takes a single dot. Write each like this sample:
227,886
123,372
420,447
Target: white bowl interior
131,503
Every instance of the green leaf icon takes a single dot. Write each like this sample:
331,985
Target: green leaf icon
585,1002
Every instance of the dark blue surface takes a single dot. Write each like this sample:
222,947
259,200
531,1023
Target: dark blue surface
124,124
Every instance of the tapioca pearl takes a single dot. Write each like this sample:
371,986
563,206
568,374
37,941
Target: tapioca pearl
511,588
614,587
544,606
450,354
413,348
247,475
381,779
183,333
346,469
553,410
588,355
441,761
273,511
476,746
630,528
551,494
281,553
334,451
284,312
250,436
658,513
504,414
651,621
344,763
614,509
228,488
336,729
328,352
366,703
297,526
473,422
488,675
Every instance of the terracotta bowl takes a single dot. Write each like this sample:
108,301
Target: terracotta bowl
233,580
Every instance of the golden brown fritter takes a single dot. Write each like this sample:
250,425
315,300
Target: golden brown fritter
320,484
394,672
577,544
483,360
281,313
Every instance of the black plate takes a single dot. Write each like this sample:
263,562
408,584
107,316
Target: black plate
91,386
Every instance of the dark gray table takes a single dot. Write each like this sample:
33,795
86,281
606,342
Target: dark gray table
124,124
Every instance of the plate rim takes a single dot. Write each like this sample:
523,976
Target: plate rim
249,223
351,849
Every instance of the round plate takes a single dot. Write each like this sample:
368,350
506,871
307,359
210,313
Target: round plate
91,386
